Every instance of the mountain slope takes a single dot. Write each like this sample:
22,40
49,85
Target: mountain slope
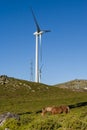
80,85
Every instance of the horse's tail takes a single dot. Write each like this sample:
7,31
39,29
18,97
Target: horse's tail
68,109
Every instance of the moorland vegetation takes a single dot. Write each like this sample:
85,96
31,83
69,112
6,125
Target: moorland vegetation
27,99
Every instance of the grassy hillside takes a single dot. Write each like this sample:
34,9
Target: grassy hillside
24,97
19,96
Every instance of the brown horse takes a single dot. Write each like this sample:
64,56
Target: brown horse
60,109
55,110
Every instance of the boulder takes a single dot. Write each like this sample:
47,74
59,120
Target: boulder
7,115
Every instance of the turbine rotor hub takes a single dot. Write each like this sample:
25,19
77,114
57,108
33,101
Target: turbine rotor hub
39,33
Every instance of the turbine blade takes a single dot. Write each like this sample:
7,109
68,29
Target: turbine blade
37,26
47,30
41,72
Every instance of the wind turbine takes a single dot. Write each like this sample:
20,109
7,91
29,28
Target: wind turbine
38,35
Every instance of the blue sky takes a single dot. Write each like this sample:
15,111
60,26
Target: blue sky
64,49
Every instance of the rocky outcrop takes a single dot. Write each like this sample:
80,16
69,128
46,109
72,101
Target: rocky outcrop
4,79
7,115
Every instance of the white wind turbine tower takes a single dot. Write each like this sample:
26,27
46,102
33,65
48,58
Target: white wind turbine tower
38,35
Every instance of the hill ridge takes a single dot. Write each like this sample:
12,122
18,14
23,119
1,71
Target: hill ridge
76,84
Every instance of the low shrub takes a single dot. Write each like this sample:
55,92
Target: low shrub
45,124
76,124
12,124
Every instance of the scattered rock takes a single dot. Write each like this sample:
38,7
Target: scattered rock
29,87
7,129
33,91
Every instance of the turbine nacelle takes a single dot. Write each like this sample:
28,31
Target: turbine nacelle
41,32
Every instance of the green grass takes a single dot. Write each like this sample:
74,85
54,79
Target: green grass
28,98
33,100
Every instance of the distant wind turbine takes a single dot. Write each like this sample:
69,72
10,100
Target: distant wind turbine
38,35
